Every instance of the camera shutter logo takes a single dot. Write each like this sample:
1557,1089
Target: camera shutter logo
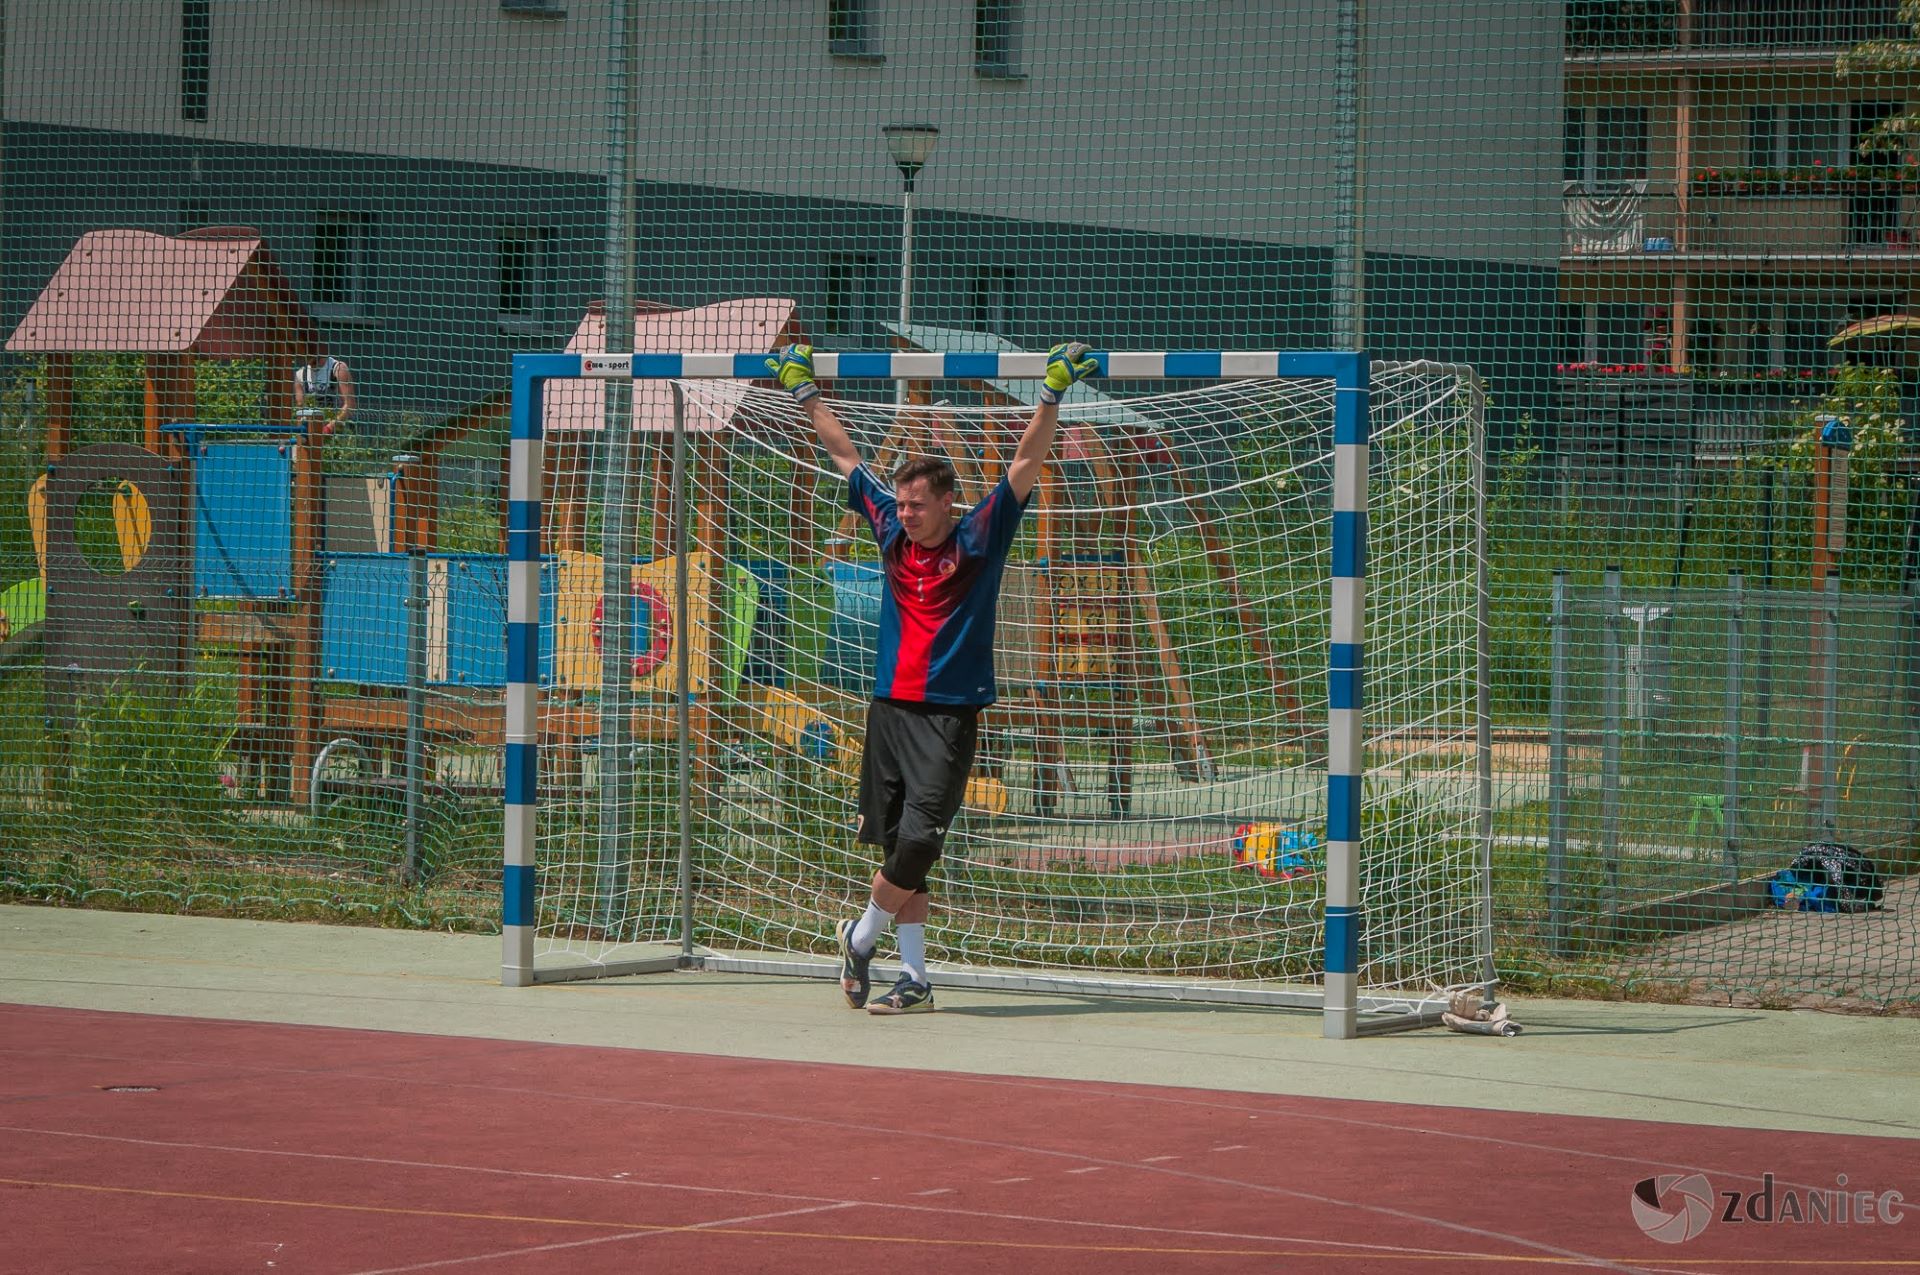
1673,1208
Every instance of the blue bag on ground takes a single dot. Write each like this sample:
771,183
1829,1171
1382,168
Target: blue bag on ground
1828,876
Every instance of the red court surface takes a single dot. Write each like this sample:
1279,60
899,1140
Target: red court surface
151,1144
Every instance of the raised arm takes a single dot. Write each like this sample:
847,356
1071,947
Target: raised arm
793,368
1066,364
344,376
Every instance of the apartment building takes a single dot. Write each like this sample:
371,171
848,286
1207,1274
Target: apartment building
1721,224
433,176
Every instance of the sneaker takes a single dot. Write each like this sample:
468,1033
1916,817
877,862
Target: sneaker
907,997
854,980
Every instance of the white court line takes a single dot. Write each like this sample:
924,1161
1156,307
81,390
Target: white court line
1092,1168
842,1126
979,1214
939,1190
1156,1159
1235,1146
605,1239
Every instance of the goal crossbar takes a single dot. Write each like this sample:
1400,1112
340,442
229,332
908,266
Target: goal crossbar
1345,1008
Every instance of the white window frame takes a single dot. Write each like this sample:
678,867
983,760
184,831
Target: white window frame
1003,60
852,32
853,308
1591,117
993,299
537,242
358,281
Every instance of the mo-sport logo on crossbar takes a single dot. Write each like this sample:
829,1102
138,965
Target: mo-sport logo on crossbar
1674,1207
606,365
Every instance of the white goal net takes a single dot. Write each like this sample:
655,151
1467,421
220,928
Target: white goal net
1148,812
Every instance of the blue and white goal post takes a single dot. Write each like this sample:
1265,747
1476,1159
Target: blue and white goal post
1231,860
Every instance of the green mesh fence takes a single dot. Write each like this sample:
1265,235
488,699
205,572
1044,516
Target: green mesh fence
249,629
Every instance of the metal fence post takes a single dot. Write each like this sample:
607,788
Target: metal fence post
1736,690
617,537
416,704
1558,939
1910,643
682,666
1350,177
1830,708
1612,692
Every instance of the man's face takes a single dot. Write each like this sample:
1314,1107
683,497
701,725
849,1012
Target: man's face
926,518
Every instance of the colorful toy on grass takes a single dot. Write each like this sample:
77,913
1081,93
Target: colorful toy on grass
1275,850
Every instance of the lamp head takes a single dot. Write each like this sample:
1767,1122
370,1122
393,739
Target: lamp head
911,146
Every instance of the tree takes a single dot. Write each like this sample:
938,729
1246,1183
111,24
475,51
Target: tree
1895,56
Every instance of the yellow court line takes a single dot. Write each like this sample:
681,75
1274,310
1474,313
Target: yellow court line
708,1228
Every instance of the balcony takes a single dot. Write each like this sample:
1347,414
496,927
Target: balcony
1844,221
1603,28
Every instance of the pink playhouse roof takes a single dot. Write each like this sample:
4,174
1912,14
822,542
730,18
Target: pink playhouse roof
750,323
217,294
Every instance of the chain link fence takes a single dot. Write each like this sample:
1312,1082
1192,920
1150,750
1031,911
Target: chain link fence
249,622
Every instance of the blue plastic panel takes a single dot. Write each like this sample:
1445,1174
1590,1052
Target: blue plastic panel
363,621
855,627
476,616
476,619
242,520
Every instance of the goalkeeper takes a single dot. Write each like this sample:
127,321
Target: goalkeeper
934,668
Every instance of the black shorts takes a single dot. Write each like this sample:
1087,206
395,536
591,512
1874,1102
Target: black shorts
913,771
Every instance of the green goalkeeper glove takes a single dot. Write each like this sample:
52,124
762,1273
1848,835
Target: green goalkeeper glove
1066,366
793,368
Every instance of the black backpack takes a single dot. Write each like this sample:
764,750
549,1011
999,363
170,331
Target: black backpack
1830,877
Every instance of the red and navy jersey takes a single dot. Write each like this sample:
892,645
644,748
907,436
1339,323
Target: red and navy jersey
937,613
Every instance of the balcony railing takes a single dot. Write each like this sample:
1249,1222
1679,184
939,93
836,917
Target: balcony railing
1628,26
1832,218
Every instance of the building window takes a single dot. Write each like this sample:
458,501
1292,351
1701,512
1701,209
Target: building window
522,256
196,57
996,38
1803,134
849,304
1604,147
850,31
1765,346
991,305
538,8
342,259
1612,334
1862,119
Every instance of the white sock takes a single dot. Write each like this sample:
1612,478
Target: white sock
866,933
912,940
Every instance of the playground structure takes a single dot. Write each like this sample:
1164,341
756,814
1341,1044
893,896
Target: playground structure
236,544
210,294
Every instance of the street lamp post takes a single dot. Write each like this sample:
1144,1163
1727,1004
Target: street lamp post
910,145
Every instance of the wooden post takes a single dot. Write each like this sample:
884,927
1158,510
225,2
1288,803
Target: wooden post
59,406
1114,482
303,673
1049,748
1178,696
169,394
711,475
1220,555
